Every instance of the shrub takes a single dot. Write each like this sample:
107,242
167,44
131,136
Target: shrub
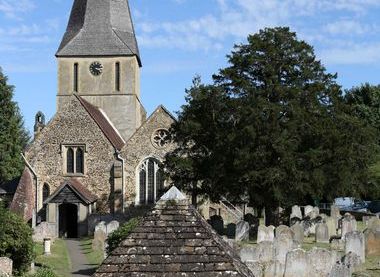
116,237
44,272
16,241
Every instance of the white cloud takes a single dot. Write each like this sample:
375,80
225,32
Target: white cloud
13,8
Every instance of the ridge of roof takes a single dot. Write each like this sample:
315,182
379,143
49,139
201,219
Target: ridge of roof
100,28
173,240
104,123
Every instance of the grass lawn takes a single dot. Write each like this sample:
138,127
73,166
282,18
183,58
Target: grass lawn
59,260
94,257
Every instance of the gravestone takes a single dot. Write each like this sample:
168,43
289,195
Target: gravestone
366,219
374,224
296,264
330,222
112,226
322,233
231,231
242,231
352,260
257,268
274,269
337,244
296,212
372,242
254,223
321,261
262,252
355,243
340,270
348,225
282,228
307,210
102,225
335,214
217,224
298,233
6,266
283,243
99,241
265,233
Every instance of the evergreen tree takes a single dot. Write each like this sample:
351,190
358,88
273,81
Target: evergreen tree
13,136
273,127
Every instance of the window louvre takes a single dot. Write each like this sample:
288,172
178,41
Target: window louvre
117,76
70,160
76,77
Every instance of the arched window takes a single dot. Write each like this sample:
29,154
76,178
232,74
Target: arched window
70,160
45,192
150,181
79,161
45,195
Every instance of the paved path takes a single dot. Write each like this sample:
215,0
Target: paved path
79,263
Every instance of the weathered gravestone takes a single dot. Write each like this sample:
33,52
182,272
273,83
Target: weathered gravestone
335,214
6,265
217,224
242,231
100,236
283,243
374,224
355,244
265,233
231,231
296,264
337,244
349,225
262,252
372,242
352,260
257,268
307,210
274,269
322,233
340,270
321,261
296,212
330,222
298,233
112,226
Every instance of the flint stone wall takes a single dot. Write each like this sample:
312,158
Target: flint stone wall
6,267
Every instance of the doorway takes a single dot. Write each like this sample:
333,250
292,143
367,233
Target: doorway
68,220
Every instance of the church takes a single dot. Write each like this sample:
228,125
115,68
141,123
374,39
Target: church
100,153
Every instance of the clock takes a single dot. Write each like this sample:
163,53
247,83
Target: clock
96,68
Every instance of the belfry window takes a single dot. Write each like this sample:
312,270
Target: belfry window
151,181
117,76
75,84
74,157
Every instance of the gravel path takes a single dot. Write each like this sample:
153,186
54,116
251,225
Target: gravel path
79,263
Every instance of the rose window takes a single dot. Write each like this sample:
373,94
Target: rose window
160,138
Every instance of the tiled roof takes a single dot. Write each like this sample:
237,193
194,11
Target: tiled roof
99,28
173,240
83,193
104,123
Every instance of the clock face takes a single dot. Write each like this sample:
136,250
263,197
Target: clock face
96,68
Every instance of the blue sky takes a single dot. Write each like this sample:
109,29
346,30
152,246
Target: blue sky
181,38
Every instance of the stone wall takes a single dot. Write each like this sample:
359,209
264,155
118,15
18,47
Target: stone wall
140,147
72,125
6,265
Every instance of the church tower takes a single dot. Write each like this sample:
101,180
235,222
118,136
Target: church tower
99,60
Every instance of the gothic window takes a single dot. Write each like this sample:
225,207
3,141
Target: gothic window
70,160
160,138
75,159
117,76
75,84
45,192
151,181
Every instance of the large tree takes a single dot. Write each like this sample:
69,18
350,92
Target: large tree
13,136
272,127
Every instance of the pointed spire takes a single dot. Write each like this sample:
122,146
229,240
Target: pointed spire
99,28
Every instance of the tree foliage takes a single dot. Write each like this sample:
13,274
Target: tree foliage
116,237
273,128
13,136
16,241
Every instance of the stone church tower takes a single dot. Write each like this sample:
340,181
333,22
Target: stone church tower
99,153
99,60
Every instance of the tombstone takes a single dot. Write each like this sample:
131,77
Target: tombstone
335,214
313,213
99,241
330,222
321,261
231,231
323,216
265,233
283,243
242,231
355,244
337,244
274,269
47,246
322,233
296,212
307,210
372,242
308,226
257,268
374,224
298,233
348,225
366,219
217,224
262,252
6,267
112,226
296,264
352,260
102,225
340,270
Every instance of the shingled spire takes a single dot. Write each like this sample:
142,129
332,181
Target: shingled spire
99,28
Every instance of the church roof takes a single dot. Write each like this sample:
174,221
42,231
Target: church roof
103,122
76,186
99,28
173,240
